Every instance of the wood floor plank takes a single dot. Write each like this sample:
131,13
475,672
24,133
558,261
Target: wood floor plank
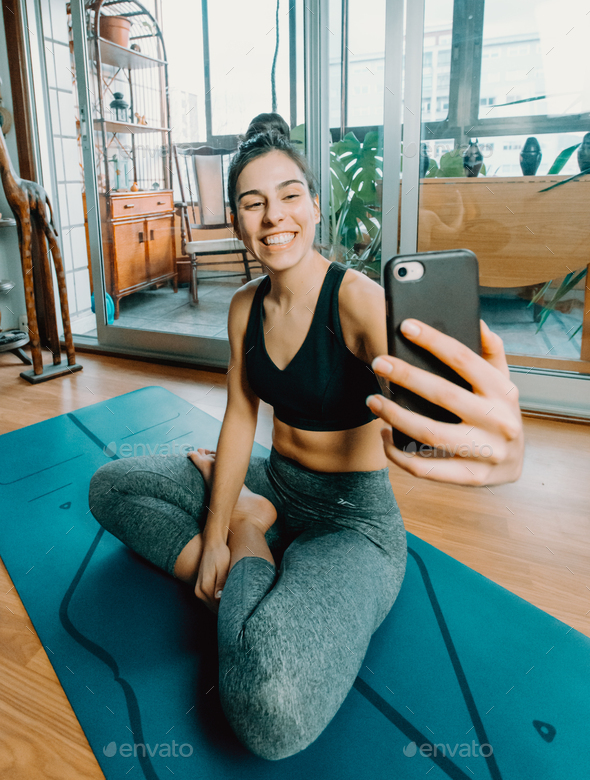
531,537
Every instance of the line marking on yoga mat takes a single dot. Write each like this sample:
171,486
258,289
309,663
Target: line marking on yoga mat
49,492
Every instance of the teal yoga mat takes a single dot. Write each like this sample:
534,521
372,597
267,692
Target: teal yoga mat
463,679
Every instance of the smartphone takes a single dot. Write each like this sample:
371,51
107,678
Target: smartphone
442,290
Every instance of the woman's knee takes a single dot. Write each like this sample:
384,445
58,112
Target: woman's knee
270,720
102,481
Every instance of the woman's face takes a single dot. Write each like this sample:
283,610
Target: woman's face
276,215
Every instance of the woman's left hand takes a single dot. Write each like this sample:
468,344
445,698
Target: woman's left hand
494,450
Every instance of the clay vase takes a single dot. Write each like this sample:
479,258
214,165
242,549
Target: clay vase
584,153
530,157
424,160
115,29
472,160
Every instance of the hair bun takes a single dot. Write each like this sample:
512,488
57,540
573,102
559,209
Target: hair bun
268,123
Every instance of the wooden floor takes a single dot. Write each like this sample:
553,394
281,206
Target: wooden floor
532,537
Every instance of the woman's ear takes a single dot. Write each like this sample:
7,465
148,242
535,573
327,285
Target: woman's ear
316,208
236,226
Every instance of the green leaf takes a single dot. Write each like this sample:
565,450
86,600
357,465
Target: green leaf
451,164
298,135
339,183
350,144
540,293
561,160
568,283
522,100
576,330
565,181
433,170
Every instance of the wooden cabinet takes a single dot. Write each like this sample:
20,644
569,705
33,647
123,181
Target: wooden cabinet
140,250
137,227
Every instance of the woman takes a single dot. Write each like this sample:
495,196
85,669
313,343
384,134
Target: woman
293,632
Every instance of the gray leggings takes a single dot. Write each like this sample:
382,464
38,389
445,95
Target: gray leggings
291,641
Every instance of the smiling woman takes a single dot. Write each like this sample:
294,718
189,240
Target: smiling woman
302,338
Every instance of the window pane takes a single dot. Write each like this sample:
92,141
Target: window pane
536,59
438,26
524,218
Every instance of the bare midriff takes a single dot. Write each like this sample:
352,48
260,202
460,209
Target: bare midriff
355,449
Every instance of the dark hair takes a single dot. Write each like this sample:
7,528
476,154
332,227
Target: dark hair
266,133
265,122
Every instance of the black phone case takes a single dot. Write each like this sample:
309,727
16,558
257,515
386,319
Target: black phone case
447,298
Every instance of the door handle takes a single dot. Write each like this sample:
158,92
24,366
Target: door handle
129,206
141,237
161,203
151,235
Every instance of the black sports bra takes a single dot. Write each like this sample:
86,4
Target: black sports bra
324,387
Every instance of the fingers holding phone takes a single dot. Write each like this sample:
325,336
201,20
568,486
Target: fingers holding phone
453,410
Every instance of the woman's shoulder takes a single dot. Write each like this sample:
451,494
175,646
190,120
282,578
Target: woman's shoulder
241,304
359,294
361,307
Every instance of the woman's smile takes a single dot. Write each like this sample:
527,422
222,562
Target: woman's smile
278,241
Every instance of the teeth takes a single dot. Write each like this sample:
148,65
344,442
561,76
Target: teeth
279,238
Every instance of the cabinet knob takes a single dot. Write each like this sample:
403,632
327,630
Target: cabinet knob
151,235
129,206
141,237
161,203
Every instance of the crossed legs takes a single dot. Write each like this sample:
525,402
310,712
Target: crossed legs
251,518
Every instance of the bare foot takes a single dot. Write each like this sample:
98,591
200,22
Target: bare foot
251,518
249,506
204,460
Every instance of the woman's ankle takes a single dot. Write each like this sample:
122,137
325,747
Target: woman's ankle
186,567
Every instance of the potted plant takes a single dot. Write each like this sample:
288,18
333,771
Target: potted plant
115,29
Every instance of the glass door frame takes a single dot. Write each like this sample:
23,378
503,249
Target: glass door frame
541,387
199,350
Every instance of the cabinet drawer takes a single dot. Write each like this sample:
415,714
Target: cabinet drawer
135,204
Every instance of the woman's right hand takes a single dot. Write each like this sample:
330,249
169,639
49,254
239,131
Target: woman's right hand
213,569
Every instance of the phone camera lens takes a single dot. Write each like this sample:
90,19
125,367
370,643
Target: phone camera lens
402,271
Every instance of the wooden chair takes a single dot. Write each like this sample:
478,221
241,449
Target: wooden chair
203,207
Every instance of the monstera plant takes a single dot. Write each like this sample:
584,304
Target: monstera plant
355,202
355,199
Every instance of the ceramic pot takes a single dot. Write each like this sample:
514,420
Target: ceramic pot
424,160
584,153
115,29
472,160
530,157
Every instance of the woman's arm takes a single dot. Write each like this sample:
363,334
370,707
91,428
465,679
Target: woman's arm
488,443
232,456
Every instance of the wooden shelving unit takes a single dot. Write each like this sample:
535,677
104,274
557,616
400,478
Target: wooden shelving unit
127,127
137,226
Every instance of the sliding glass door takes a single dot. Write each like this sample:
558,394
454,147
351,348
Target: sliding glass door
428,124
164,92
503,153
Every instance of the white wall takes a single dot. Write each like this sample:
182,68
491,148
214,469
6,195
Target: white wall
68,174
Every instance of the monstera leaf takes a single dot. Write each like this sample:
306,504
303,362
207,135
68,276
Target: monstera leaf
362,164
339,182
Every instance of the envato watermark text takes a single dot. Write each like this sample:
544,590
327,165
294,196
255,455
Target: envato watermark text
164,749
465,450
464,749
128,450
